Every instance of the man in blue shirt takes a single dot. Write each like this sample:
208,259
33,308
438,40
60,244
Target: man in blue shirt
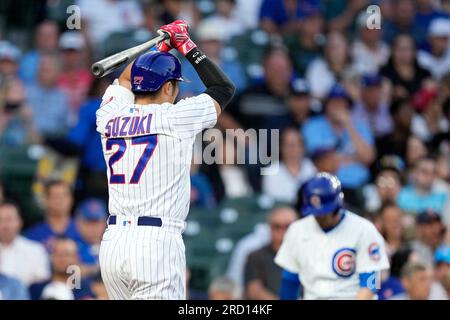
49,104
12,289
65,283
91,215
352,139
422,194
58,221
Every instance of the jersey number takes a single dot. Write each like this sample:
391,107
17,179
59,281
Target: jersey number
150,142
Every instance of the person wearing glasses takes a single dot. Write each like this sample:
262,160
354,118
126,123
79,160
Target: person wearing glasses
262,277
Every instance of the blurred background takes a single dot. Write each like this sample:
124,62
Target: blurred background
369,105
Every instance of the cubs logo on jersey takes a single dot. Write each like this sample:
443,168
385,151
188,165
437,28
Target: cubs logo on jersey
344,262
374,251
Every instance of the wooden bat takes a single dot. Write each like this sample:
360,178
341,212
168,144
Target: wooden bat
109,64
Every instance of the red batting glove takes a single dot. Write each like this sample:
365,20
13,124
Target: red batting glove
179,36
164,46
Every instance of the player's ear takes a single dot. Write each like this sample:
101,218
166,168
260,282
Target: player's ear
168,88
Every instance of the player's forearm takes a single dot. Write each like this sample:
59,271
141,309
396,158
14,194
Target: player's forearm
365,294
364,152
125,77
217,83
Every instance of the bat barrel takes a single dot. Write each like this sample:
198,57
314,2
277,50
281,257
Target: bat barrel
106,66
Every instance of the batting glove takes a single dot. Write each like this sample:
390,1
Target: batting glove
164,46
179,36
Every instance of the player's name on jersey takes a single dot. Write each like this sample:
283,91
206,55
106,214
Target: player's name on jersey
128,126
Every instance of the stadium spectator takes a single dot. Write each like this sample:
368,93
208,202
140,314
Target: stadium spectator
293,169
17,126
234,176
369,52
388,183
83,141
306,44
170,10
392,227
401,21
326,160
262,277
417,279
278,17
415,150
405,75
395,142
60,286
90,220
429,120
300,108
9,60
12,289
49,104
247,12
429,235
440,141
75,78
255,240
45,41
98,288
210,34
226,16
223,288
426,13
324,73
442,264
437,58
58,221
344,13
392,286
202,192
351,138
422,194
122,15
373,108
20,258
254,106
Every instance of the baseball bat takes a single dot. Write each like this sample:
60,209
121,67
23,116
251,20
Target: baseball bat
109,64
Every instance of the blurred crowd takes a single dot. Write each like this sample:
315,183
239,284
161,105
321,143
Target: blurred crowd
371,105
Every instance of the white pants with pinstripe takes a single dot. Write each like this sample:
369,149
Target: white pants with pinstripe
143,262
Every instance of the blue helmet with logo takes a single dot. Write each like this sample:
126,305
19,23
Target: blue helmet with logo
152,69
322,195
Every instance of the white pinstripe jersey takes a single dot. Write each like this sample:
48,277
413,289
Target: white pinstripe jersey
329,263
148,151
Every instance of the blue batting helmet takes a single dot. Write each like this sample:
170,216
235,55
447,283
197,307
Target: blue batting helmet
322,195
152,69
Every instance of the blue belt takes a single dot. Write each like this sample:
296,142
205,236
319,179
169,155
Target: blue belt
142,221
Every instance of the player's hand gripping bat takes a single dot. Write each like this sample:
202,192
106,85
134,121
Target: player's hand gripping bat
109,64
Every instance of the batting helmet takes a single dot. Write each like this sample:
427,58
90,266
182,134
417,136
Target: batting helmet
322,195
152,69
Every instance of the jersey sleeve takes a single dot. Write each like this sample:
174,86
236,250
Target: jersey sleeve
191,115
286,256
114,97
371,251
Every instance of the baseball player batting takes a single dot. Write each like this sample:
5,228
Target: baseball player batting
147,142
332,252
